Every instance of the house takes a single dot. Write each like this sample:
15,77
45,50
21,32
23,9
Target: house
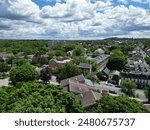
70,53
100,51
88,98
147,50
76,88
130,64
83,90
58,62
137,54
30,57
106,71
53,64
84,67
114,77
141,79
102,61
79,79
4,55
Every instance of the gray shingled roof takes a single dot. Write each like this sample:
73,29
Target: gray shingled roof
88,98
77,88
84,65
79,78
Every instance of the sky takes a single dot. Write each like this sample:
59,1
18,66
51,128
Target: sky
74,19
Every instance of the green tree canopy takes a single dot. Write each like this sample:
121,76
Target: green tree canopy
128,87
23,73
100,75
45,74
66,71
33,97
59,53
147,59
118,104
92,77
94,64
16,61
117,60
4,67
79,51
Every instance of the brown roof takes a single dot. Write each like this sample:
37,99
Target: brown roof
77,88
79,78
53,64
89,98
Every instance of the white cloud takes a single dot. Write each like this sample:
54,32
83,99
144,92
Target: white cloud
74,19
18,9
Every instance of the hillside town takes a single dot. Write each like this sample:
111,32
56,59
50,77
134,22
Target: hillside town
90,70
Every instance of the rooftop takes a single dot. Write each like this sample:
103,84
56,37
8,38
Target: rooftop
84,65
89,98
78,78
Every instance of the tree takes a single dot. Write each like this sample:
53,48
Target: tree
100,75
128,87
94,65
45,74
116,61
22,73
92,77
80,59
147,92
79,51
33,97
69,47
43,60
147,59
15,60
59,53
9,60
66,71
19,61
120,104
4,67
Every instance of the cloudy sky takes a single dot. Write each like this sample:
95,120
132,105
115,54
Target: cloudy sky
74,19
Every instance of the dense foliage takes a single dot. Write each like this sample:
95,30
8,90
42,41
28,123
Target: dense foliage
120,104
37,98
117,60
147,59
128,87
28,47
66,71
45,74
16,61
4,67
23,73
